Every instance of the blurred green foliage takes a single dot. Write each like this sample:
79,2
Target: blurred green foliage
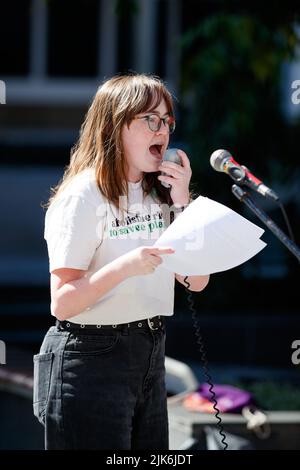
231,89
273,395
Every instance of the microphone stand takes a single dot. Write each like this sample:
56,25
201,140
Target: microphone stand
243,196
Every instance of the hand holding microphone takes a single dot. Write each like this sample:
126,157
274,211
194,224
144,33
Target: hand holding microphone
176,175
221,160
170,155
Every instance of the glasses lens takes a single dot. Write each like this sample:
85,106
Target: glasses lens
154,122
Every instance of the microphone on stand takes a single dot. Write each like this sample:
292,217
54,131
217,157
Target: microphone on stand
221,160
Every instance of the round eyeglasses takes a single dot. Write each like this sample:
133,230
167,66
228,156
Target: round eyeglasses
154,122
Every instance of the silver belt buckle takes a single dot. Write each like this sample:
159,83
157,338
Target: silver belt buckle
151,323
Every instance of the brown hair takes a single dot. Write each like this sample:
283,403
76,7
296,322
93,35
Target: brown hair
116,103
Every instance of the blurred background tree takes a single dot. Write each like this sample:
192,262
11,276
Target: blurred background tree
231,84
231,95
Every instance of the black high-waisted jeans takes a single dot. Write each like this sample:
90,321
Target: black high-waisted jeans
104,390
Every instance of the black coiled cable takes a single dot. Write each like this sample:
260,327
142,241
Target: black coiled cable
205,363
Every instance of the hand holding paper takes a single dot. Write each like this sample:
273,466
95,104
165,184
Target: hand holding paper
208,237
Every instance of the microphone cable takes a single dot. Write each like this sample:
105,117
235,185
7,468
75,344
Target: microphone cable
204,361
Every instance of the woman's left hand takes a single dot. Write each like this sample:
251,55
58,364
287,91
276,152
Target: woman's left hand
179,178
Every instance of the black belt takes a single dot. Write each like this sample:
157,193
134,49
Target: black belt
154,323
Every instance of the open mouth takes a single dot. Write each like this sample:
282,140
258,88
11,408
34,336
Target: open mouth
156,150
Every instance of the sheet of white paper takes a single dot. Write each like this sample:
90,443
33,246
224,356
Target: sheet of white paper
209,237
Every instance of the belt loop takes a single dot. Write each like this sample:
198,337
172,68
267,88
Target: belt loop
151,324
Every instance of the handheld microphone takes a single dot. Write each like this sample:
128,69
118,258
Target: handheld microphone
221,160
171,156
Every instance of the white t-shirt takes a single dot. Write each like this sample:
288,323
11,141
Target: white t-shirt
84,231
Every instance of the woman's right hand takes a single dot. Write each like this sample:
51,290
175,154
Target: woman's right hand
143,260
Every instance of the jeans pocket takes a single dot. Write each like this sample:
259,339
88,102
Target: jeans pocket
42,368
87,345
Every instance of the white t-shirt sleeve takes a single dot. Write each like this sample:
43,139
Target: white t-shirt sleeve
73,232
